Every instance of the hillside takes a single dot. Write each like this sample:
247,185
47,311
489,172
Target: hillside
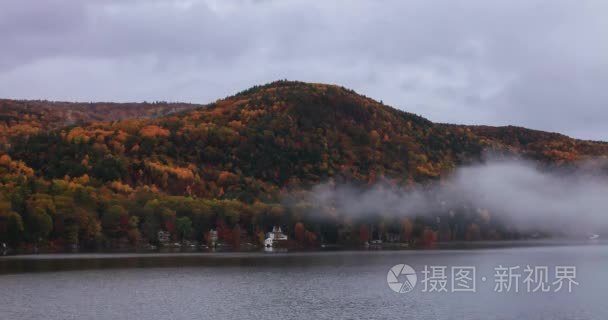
540,145
26,117
245,146
73,174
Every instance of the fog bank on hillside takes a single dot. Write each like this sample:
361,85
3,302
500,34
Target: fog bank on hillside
516,192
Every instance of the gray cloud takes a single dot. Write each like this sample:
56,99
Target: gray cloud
540,64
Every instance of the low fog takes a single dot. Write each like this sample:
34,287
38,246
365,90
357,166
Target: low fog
518,193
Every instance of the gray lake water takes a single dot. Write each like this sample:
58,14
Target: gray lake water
312,285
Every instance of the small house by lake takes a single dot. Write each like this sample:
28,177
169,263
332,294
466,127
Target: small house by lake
275,237
164,236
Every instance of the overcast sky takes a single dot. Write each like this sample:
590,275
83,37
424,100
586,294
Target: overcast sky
539,64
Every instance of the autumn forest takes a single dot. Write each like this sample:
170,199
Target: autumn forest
112,175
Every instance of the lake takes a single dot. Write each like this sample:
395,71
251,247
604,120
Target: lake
300,285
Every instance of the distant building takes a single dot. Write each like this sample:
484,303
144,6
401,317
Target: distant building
275,237
393,237
164,236
213,237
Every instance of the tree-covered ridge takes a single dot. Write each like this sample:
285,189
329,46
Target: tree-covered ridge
231,164
545,146
27,117
250,145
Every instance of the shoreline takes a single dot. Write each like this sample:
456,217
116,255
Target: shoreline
170,251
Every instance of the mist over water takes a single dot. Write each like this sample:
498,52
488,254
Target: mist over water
517,192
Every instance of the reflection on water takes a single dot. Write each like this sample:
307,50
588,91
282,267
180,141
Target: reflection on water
271,285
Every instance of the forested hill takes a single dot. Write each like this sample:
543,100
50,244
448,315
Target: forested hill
27,117
91,174
550,147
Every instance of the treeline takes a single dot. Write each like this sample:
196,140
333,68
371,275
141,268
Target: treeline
86,212
92,214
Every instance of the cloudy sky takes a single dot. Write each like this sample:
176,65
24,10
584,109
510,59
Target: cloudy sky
540,64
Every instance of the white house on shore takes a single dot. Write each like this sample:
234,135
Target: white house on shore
213,238
164,236
274,237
